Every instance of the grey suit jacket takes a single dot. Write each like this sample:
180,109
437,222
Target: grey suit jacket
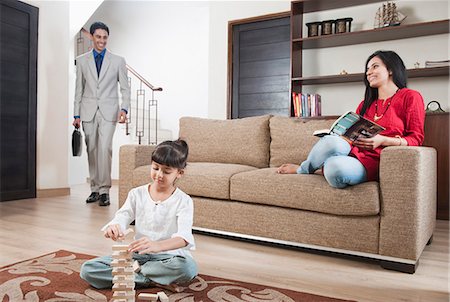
92,91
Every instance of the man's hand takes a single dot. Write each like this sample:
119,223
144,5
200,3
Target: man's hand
76,123
122,117
114,232
144,246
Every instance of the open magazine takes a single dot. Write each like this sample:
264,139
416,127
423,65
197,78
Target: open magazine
351,125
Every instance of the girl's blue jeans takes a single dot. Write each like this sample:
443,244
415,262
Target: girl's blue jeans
331,153
160,268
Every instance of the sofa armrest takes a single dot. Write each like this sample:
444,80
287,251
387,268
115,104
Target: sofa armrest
131,157
408,180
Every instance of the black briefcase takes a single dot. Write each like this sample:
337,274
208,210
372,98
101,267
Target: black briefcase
76,142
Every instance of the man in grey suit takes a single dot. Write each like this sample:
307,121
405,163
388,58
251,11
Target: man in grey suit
97,105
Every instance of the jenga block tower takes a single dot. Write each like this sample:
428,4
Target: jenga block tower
123,274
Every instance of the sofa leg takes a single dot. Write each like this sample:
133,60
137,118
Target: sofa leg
400,267
430,240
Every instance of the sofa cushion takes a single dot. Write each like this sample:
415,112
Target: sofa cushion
209,179
307,192
292,138
240,141
141,175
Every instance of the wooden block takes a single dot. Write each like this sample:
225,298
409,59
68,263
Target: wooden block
122,255
122,271
136,266
123,278
125,234
163,297
124,294
120,247
148,297
123,286
121,263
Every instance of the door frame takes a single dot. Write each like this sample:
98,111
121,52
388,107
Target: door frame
231,25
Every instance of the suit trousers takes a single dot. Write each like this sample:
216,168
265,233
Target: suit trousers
99,134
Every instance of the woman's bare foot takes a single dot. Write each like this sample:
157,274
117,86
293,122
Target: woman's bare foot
288,169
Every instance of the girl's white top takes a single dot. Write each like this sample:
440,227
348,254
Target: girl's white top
158,220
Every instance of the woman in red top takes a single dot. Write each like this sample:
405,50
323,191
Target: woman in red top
387,102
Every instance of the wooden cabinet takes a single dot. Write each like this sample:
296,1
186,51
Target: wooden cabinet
299,42
437,136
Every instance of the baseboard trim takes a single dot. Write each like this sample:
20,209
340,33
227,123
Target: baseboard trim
302,246
52,192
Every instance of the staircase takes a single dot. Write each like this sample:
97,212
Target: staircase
142,126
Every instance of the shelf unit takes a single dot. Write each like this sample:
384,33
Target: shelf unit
299,43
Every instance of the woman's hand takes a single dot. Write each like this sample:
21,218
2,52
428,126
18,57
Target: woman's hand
287,169
114,232
144,246
370,143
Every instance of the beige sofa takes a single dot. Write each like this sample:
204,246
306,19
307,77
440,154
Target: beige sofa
231,177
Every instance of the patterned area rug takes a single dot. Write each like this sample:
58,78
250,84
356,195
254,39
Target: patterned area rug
55,278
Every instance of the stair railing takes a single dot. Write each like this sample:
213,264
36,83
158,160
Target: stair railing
141,111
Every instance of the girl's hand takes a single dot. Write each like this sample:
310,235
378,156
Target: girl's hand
114,232
144,246
369,143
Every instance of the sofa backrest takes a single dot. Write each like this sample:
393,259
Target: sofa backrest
243,141
292,139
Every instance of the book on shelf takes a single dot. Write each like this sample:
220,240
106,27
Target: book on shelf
351,126
306,105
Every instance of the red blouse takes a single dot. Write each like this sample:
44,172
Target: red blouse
405,117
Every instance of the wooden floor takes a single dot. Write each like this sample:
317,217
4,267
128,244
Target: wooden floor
32,227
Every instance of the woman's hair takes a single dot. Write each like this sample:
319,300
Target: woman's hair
171,153
394,65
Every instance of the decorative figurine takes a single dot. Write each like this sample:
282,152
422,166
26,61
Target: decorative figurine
343,25
387,15
416,65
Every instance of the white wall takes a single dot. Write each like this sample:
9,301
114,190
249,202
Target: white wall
52,95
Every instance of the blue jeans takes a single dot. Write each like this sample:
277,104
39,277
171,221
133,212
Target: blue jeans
160,268
340,169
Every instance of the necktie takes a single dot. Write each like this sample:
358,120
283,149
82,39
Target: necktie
98,63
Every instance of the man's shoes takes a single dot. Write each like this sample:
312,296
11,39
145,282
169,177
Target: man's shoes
104,200
93,197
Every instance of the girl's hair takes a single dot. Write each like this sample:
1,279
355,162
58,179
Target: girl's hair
171,153
394,65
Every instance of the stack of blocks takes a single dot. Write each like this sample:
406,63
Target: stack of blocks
123,271
123,274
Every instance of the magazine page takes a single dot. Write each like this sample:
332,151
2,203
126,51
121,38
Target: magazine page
352,126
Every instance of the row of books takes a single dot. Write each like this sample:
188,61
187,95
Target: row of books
306,105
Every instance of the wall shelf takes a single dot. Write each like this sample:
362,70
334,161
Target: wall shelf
358,77
375,35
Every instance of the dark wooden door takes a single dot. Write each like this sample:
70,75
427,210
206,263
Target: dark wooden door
18,79
261,68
